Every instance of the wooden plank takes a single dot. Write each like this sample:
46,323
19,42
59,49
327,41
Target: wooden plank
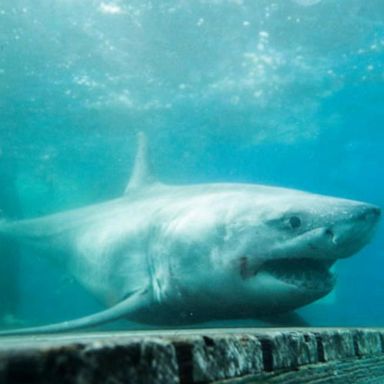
278,356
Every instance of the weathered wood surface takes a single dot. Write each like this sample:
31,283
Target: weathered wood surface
289,356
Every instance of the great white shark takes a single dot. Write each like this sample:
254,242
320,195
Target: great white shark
176,255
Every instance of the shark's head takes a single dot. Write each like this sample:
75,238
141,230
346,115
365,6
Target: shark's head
254,249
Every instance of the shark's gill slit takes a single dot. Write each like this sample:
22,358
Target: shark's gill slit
244,273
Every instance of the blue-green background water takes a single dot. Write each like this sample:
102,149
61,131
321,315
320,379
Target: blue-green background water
284,92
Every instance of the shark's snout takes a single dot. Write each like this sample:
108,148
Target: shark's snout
369,213
304,260
356,230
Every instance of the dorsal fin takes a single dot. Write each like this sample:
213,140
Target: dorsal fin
142,171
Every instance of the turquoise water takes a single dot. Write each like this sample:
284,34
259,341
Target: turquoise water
288,93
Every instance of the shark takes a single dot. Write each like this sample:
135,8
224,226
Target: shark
176,255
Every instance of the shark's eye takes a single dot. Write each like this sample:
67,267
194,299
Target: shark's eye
294,222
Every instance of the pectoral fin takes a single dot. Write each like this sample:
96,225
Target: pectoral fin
135,301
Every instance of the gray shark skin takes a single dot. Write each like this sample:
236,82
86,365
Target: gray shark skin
174,255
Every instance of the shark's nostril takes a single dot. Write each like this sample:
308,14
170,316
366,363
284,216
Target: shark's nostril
331,235
371,213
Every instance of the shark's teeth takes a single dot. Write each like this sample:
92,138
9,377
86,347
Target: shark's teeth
309,274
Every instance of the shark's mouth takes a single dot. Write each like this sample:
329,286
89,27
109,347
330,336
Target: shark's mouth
305,273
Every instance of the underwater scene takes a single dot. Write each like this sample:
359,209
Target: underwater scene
178,164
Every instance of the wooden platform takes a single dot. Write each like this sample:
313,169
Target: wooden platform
289,356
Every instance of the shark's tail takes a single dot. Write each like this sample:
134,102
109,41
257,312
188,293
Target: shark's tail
9,254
